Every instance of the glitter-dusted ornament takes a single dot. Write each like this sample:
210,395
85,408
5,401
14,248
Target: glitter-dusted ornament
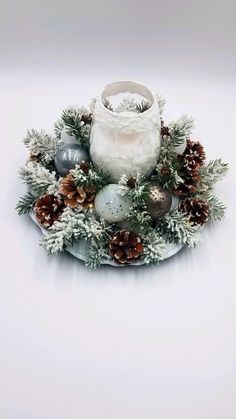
159,201
68,157
110,205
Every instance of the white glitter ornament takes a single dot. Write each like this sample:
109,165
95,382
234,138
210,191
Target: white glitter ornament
126,142
110,206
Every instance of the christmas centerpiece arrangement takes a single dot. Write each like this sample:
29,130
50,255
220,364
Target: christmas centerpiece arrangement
117,184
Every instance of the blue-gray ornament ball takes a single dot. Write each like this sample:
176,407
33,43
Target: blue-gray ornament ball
110,205
68,157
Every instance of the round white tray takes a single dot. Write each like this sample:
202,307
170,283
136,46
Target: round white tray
80,249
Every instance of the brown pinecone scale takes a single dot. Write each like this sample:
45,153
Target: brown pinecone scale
196,209
76,195
186,188
125,247
87,118
48,209
193,157
131,183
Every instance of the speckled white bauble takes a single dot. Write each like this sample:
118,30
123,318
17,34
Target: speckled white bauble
111,206
66,138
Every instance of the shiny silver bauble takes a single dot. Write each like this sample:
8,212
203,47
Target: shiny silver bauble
69,156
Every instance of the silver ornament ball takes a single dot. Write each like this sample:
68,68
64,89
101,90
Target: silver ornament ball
159,201
110,205
68,157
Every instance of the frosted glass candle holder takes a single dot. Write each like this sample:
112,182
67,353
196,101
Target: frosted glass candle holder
126,142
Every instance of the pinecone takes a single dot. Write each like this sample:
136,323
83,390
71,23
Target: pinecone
186,188
125,247
85,166
34,157
165,131
76,195
48,209
87,118
131,182
196,209
193,157
165,171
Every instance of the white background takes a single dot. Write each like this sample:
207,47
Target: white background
109,344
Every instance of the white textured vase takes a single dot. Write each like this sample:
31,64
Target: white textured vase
126,142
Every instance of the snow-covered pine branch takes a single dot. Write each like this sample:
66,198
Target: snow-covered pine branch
180,130
39,178
139,191
154,248
212,172
217,208
77,121
61,233
42,145
176,228
26,203
96,177
98,233
141,221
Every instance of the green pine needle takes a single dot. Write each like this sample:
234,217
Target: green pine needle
26,203
73,120
96,177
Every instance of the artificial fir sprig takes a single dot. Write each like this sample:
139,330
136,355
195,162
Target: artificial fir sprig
137,189
77,121
169,175
169,167
154,248
143,106
39,178
61,233
42,145
26,203
95,177
140,221
98,234
74,226
180,130
176,228
95,254
210,173
216,207
128,104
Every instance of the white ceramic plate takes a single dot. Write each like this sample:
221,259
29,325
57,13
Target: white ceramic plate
80,248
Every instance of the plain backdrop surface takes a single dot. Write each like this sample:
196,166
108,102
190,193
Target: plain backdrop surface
139,343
